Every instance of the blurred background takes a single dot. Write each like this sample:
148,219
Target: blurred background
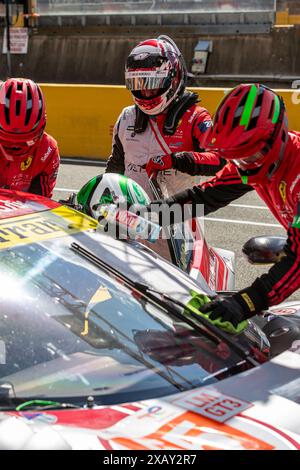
87,41
60,43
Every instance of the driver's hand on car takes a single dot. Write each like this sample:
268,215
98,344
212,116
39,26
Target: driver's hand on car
159,163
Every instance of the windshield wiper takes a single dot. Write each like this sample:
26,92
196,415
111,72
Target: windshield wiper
169,304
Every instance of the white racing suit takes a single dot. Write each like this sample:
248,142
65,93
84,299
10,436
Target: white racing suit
138,137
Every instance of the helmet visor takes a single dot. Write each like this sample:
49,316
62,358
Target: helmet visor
136,80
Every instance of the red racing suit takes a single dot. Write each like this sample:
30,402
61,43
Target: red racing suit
282,195
34,173
181,129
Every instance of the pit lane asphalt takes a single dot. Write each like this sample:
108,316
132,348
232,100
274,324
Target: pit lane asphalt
227,228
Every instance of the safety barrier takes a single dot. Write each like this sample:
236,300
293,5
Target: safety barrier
81,117
286,18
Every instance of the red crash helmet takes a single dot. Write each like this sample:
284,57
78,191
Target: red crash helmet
250,128
155,74
22,115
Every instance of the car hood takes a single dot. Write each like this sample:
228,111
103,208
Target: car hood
258,409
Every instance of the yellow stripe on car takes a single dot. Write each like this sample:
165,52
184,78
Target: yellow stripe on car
41,226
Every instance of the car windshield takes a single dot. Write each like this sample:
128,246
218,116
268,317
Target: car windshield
68,329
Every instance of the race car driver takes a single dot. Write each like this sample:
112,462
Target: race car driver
250,130
29,158
164,121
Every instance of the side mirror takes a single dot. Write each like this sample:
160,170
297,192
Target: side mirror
264,250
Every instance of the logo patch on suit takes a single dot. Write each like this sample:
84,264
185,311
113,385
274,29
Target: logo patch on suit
26,163
204,125
282,190
179,123
158,160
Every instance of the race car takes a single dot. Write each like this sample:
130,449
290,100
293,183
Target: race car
100,347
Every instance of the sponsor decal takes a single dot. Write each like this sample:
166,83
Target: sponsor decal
176,144
178,134
286,212
21,178
56,223
282,190
284,311
155,411
179,431
136,168
8,206
127,219
213,405
249,302
147,73
158,160
39,417
192,116
26,164
46,155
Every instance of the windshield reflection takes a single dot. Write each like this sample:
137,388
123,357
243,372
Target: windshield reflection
70,330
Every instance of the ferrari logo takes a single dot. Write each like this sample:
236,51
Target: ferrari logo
179,123
26,163
282,190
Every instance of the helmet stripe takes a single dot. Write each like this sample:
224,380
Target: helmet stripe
276,110
249,106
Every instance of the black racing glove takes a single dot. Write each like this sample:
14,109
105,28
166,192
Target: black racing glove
238,307
226,309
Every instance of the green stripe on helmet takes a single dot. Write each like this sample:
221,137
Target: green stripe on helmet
276,110
132,191
249,105
296,222
137,193
244,179
123,186
86,192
